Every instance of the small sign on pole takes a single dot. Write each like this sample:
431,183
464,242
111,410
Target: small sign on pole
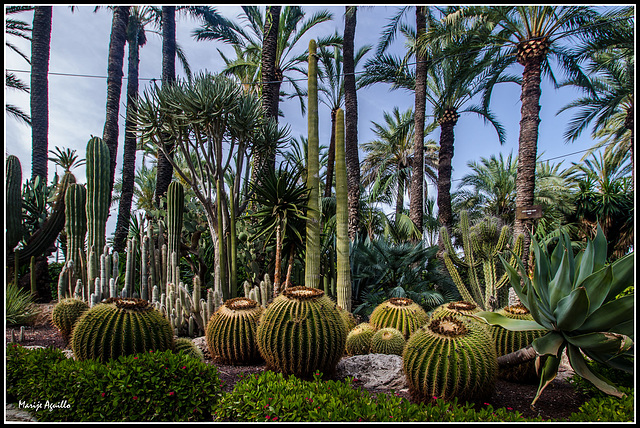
524,213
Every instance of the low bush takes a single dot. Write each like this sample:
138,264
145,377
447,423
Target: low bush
156,386
273,397
19,305
605,408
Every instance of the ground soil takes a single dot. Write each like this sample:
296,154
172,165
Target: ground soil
557,402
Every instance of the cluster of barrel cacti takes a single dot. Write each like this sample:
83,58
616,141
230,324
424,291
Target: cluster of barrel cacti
65,314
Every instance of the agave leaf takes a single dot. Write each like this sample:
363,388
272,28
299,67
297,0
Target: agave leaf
606,342
557,255
549,344
624,362
579,365
600,245
540,279
572,310
623,270
626,328
512,324
561,284
549,373
584,263
542,315
609,315
597,286
514,279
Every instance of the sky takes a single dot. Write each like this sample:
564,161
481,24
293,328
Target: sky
80,42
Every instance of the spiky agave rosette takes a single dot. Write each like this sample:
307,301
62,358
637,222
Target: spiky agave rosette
388,341
231,332
120,326
450,357
359,339
508,341
400,313
302,332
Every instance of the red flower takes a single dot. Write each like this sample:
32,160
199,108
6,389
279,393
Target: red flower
103,394
135,397
268,417
275,418
171,393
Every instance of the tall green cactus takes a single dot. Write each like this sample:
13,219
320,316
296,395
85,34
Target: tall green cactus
76,227
450,357
175,213
312,260
302,332
481,244
120,327
343,274
97,207
13,207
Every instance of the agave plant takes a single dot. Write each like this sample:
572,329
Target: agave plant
574,298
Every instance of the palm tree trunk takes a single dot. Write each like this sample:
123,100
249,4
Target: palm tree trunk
129,155
165,169
628,123
527,148
417,177
400,196
114,85
40,49
331,156
351,120
445,213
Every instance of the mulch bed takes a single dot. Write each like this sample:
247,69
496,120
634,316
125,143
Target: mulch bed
558,400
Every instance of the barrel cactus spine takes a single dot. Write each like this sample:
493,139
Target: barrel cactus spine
388,340
400,313
65,314
450,357
301,332
231,332
508,341
118,327
358,340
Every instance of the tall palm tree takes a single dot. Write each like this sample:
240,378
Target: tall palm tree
21,29
331,87
530,36
118,39
351,120
136,38
269,66
40,50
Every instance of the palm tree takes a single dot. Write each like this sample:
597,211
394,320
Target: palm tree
269,66
351,120
136,38
40,50
118,39
531,36
66,159
332,88
15,27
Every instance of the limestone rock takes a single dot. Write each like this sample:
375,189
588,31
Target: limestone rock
376,371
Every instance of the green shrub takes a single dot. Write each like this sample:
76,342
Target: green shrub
271,396
20,309
156,386
618,377
605,408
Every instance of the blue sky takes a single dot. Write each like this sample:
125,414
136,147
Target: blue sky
79,45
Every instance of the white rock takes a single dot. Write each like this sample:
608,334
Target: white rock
376,371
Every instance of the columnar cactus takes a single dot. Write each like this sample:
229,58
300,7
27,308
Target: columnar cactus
76,227
348,318
508,341
175,213
231,332
343,274
118,327
359,339
450,357
388,340
13,207
302,332
97,208
400,313
312,260
65,314
482,244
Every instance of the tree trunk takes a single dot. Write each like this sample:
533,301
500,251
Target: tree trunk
520,356
331,156
129,155
351,120
114,85
39,95
164,172
445,212
400,195
527,149
416,206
